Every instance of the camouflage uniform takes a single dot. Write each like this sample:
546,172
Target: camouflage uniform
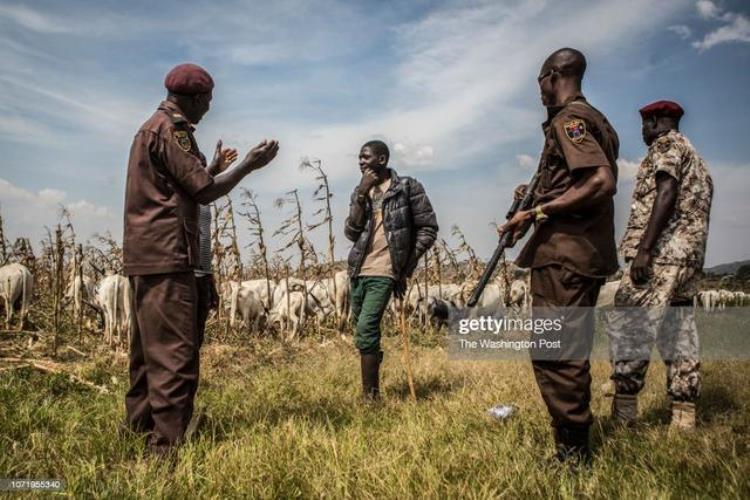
643,315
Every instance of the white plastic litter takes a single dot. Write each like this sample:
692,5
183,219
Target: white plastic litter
501,412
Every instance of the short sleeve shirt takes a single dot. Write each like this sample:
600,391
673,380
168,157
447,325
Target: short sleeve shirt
577,137
165,172
683,241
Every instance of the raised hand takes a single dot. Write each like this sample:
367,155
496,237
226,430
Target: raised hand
369,179
262,154
223,157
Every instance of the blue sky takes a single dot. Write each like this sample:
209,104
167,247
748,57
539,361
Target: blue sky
449,85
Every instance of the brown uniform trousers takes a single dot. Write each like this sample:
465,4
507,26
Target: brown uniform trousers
163,357
565,382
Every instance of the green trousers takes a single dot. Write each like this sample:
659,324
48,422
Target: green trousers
370,295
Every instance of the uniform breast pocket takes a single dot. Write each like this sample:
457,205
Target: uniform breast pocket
550,169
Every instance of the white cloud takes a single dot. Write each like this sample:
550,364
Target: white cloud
627,169
735,28
26,213
31,19
461,70
681,30
413,155
526,161
707,9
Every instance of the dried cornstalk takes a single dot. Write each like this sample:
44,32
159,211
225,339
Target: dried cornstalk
252,214
293,228
3,243
463,246
323,194
58,290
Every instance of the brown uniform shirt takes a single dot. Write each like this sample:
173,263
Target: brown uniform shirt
577,137
165,171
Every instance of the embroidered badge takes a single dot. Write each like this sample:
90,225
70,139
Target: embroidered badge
182,140
575,130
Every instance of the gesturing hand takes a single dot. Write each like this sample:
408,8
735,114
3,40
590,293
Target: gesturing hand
223,157
262,154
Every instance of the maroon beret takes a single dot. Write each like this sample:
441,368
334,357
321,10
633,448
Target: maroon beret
662,108
188,79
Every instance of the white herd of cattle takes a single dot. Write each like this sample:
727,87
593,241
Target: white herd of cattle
259,304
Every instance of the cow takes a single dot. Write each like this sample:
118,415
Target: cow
289,307
113,296
338,293
520,298
249,305
79,291
259,287
726,298
16,288
492,298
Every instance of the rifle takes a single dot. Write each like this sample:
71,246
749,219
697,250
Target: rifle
506,240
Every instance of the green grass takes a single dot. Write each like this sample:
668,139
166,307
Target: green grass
287,421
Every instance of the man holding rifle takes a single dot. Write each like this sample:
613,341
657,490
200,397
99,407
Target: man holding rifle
572,249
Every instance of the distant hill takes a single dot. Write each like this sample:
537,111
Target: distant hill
729,268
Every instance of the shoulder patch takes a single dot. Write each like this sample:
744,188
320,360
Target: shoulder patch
575,130
663,144
183,140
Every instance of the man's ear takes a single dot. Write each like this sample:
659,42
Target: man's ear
383,160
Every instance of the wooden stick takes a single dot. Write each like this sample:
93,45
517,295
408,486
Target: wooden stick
17,367
407,354
71,348
56,370
20,332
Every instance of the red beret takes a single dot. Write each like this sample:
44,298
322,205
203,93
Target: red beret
188,79
662,108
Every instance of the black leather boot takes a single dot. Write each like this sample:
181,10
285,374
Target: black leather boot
625,409
370,364
572,445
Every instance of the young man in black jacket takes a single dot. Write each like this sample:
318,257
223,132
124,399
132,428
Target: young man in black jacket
392,224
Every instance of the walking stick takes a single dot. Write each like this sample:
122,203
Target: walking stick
407,355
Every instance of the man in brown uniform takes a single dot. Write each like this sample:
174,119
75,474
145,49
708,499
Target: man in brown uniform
167,178
573,248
